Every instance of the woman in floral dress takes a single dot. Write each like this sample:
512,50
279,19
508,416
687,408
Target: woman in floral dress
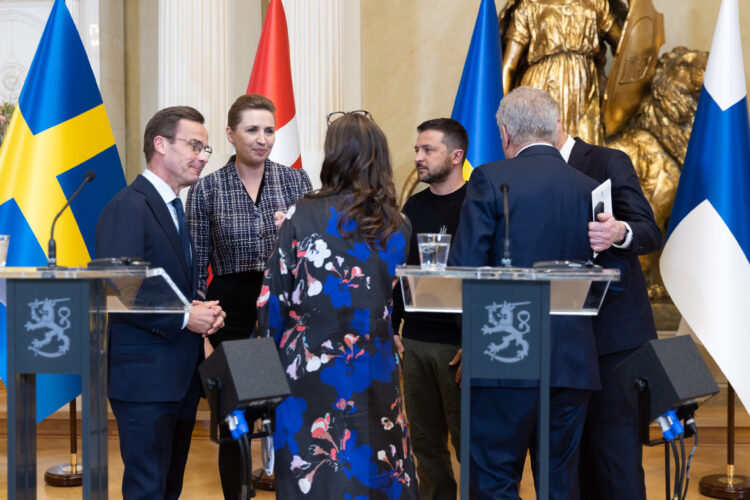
326,299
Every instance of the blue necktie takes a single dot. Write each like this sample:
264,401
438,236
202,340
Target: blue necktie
183,230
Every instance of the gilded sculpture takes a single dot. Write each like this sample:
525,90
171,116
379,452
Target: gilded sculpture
656,139
557,46
647,106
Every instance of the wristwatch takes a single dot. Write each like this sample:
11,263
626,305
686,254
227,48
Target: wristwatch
624,237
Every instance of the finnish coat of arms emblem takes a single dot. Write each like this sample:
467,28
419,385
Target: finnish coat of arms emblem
502,318
52,321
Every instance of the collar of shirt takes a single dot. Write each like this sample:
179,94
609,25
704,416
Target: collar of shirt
166,193
567,148
534,144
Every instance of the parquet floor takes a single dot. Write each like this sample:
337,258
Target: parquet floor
202,478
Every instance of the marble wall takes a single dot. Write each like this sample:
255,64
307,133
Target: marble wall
413,54
411,57
143,76
21,26
111,36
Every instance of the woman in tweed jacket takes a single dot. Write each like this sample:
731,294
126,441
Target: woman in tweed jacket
231,213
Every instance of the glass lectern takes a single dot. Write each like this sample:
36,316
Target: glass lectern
505,327
57,324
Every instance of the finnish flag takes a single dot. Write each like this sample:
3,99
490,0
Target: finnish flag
705,263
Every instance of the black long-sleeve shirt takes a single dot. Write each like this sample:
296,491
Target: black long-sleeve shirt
429,213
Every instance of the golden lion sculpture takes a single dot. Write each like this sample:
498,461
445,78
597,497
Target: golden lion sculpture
656,138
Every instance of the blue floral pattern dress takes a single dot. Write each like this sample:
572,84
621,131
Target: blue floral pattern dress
327,301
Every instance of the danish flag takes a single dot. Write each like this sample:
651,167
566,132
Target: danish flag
272,77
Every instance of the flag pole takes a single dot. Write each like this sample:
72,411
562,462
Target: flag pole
67,474
729,485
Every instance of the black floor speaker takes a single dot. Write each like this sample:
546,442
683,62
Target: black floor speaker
249,373
675,372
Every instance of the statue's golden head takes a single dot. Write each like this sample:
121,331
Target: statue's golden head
669,110
677,83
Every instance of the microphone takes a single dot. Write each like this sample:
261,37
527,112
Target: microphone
505,261
52,246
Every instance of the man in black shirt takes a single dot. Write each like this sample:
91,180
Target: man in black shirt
431,341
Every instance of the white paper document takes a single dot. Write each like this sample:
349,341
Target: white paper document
601,201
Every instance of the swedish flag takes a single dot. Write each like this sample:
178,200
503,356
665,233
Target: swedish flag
58,132
480,91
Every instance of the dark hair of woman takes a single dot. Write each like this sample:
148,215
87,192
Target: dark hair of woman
248,101
357,165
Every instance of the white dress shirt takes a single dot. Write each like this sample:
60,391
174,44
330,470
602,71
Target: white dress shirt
565,152
167,194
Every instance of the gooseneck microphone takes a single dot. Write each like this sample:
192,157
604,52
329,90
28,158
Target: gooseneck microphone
52,246
505,261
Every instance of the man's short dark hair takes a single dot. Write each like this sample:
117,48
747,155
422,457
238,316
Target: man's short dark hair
164,123
454,134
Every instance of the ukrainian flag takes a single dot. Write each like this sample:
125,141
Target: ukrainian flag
480,91
58,132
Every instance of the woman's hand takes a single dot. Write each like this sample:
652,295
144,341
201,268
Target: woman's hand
278,218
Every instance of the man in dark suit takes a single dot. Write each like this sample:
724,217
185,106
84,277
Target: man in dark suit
610,450
550,206
153,381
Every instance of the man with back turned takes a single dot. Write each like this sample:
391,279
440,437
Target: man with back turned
549,208
153,358
611,452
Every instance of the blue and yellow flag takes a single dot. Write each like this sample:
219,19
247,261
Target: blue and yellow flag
480,91
59,131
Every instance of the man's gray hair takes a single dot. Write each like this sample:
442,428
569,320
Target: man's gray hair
529,115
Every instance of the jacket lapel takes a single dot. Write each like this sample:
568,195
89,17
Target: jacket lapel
580,159
165,221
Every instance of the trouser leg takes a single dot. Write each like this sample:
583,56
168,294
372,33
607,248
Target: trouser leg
567,417
153,446
611,453
503,423
425,372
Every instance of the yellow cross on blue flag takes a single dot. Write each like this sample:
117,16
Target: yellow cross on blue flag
705,263
58,132
480,91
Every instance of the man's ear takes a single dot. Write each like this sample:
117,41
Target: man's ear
504,137
160,144
458,156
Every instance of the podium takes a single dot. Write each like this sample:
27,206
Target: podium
506,327
57,321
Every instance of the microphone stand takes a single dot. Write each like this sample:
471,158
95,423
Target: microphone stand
66,474
52,245
505,261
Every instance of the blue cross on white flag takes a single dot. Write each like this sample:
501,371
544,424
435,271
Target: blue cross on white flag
706,259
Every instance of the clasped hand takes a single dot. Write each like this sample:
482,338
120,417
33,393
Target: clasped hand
604,233
206,318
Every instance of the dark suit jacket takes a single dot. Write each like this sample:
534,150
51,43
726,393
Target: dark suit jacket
625,320
550,206
151,358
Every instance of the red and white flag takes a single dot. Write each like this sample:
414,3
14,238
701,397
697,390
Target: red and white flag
272,77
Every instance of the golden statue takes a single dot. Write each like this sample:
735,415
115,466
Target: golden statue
649,104
656,139
562,41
